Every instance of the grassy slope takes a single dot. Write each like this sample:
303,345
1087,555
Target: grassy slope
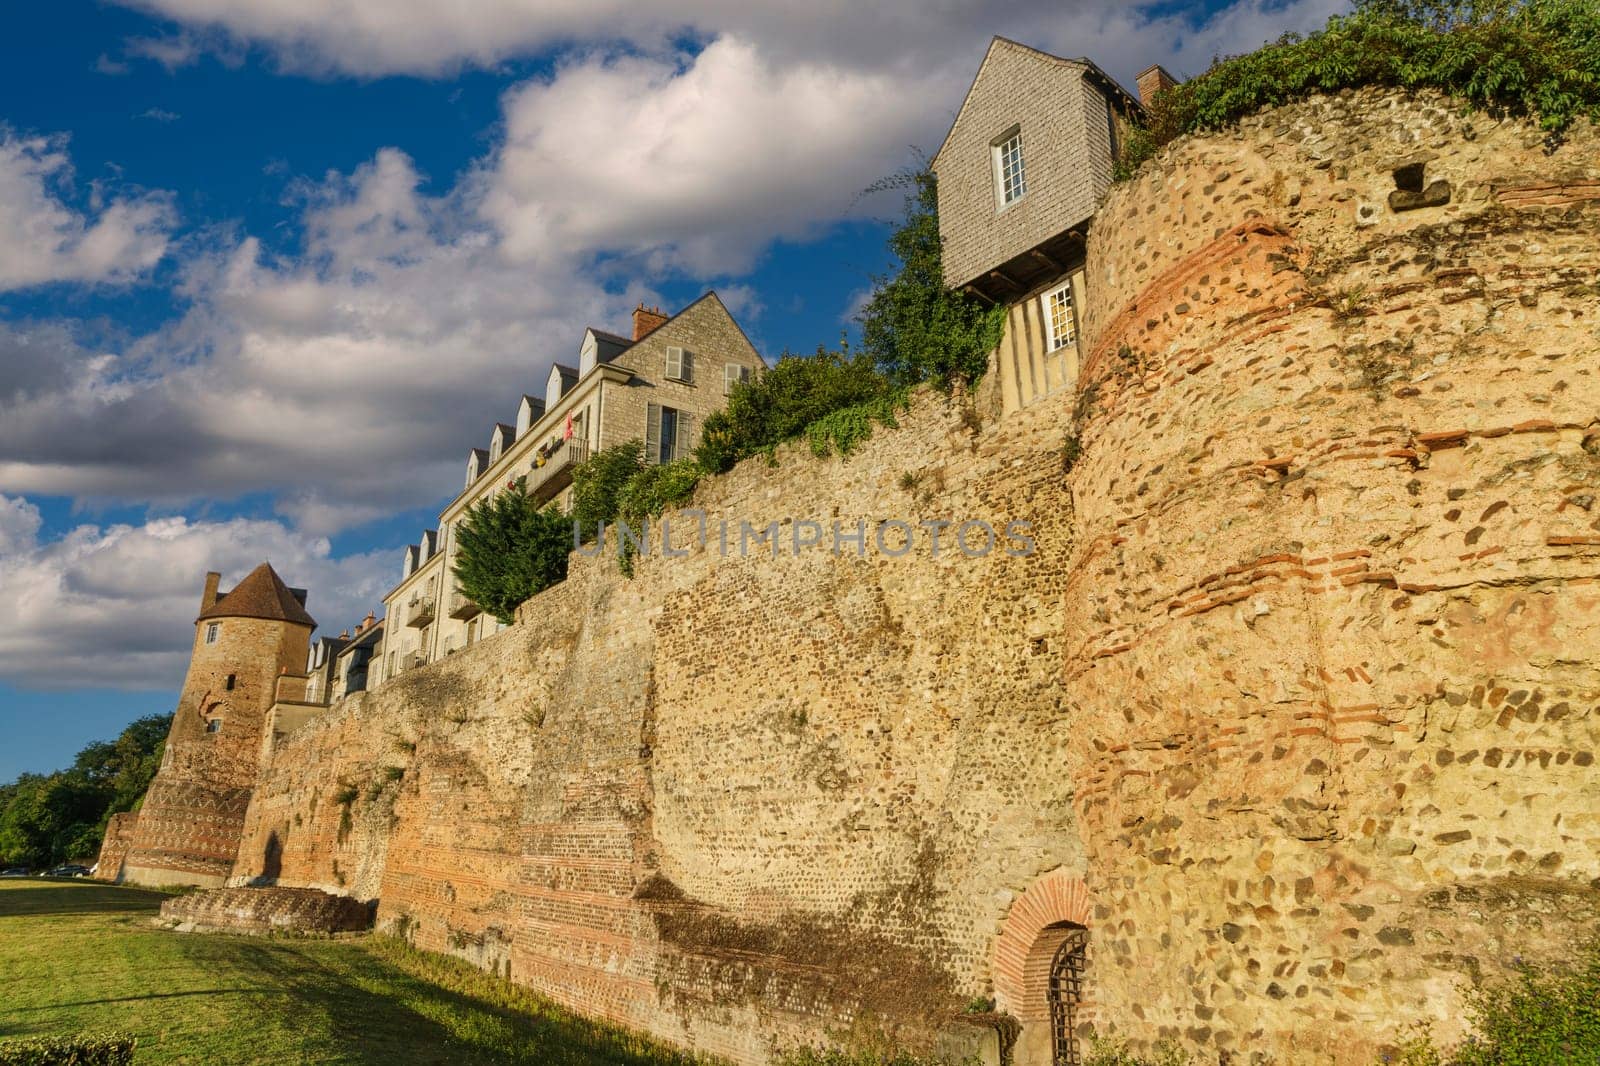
78,957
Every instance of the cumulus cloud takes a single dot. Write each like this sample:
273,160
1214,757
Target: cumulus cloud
115,605
700,164
378,37
347,381
45,238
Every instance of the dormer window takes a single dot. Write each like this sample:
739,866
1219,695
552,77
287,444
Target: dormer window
588,355
1010,181
552,389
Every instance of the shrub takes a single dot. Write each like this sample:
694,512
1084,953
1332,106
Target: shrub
1533,58
844,430
1537,1017
598,482
656,488
912,327
778,406
508,549
111,1050
1541,1015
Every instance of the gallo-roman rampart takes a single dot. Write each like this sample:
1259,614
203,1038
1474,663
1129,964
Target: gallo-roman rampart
1294,706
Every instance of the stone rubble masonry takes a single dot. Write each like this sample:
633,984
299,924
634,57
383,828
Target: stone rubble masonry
187,831
304,911
1294,706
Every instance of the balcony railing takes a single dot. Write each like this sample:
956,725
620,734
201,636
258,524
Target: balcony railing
462,607
556,473
419,612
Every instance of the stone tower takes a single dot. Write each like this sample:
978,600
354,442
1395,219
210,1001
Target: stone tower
189,827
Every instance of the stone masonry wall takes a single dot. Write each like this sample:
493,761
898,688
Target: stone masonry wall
1293,706
1333,594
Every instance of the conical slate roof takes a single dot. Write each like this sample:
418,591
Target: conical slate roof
262,594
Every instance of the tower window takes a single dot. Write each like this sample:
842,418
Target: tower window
231,679
213,631
1010,181
213,725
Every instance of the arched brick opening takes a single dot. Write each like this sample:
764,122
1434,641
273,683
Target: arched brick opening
1035,927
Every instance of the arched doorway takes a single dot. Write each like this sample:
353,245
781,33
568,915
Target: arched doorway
1041,970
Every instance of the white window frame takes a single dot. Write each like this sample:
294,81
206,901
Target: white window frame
213,725
1060,298
733,374
213,632
1010,182
680,364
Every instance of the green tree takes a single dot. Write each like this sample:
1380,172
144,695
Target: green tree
779,405
51,818
598,483
914,328
508,549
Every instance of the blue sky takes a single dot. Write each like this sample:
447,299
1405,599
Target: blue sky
269,268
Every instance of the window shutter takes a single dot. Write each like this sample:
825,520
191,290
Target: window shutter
652,433
675,363
686,367
685,444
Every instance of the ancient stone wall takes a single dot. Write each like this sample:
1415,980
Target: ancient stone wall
188,828
1292,707
1333,596
114,846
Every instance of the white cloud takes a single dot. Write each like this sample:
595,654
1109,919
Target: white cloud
115,605
43,238
347,382
696,166
378,37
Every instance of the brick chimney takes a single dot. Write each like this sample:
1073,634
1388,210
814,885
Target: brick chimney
646,320
208,598
1153,82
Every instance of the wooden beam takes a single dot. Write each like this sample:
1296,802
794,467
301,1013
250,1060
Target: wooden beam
1046,260
980,294
1005,278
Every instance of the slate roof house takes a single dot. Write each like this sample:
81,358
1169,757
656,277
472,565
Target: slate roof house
656,386
1026,163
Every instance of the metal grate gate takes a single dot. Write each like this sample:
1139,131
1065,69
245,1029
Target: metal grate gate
1066,992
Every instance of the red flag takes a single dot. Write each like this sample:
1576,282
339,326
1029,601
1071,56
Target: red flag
568,434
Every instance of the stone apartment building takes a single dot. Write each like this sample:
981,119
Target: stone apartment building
656,386
1026,163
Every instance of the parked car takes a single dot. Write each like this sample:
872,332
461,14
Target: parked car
70,869
16,871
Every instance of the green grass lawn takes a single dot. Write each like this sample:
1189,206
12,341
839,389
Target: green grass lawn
81,957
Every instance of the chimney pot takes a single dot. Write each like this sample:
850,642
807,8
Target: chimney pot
208,598
1153,82
646,320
